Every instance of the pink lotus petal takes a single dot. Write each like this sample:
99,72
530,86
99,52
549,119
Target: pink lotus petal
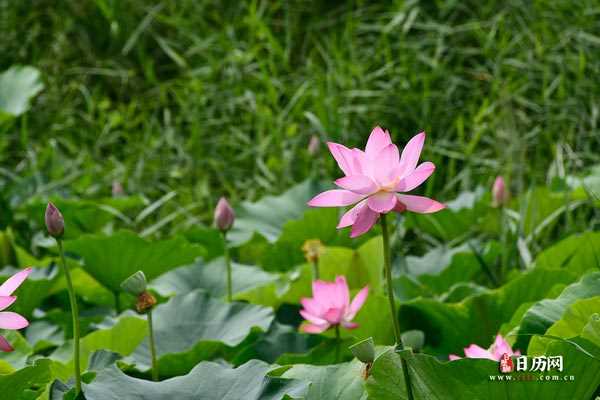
357,183
334,315
365,220
453,357
350,216
341,293
311,318
11,320
311,328
335,198
349,325
14,282
420,204
399,207
320,291
417,177
382,202
6,301
357,303
411,153
474,351
386,165
343,156
311,306
500,347
378,139
4,345
360,162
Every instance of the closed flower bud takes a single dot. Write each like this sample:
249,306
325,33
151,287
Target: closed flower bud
500,195
55,222
224,215
313,145
135,284
117,189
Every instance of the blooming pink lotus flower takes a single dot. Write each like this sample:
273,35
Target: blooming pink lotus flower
495,352
330,306
8,319
500,194
375,180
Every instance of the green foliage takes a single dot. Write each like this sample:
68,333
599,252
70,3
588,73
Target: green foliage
207,381
470,378
194,327
449,327
111,259
176,104
18,85
546,312
337,382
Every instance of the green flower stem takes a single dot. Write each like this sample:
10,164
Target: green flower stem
338,343
152,348
315,264
504,243
117,302
388,274
228,265
75,315
390,291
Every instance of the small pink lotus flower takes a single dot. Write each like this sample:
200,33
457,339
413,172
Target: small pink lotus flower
224,215
495,352
8,319
500,195
330,306
375,180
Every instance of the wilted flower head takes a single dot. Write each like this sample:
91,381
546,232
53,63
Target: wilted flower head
224,215
136,284
55,222
330,306
375,180
313,248
495,352
8,319
313,145
500,194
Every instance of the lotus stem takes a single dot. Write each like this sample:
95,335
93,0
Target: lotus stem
388,274
152,348
387,266
338,343
75,316
117,301
228,266
315,265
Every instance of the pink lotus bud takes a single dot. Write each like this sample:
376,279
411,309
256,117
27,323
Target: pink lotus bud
313,145
55,222
224,215
117,189
500,194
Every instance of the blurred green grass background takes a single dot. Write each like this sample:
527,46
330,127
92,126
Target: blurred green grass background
206,98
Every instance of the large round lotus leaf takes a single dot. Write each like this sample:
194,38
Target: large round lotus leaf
207,381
